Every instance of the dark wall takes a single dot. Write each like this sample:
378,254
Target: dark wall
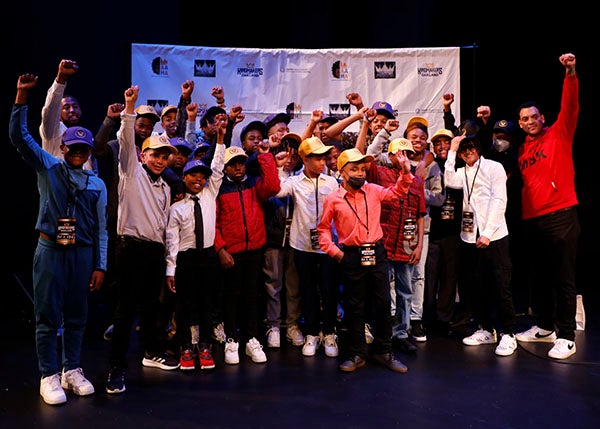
516,59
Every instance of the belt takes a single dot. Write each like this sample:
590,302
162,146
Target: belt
45,236
566,209
131,239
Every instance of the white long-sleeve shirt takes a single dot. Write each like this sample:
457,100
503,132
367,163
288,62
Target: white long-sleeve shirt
484,187
180,234
308,195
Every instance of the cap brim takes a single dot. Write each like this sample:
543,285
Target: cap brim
72,142
201,168
171,148
321,151
385,113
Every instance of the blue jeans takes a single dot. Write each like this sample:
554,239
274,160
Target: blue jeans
402,272
418,283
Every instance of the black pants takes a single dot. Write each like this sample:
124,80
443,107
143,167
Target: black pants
553,241
240,296
197,290
367,285
487,274
140,269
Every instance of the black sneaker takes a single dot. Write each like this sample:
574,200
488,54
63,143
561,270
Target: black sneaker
404,345
116,381
417,331
161,360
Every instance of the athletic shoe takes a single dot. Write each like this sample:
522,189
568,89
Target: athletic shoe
75,380
368,335
507,345
404,345
390,362
116,380
160,360
219,333
481,336
330,345
536,335
51,390
562,349
311,345
186,360
294,335
206,359
417,331
352,364
255,350
231,352
273,337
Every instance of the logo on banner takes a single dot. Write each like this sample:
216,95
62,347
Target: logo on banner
250,71
430,70
339,111
205,68
160,66
294,110
339,70
385,69
157,104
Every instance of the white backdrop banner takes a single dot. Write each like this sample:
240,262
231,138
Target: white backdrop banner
298,81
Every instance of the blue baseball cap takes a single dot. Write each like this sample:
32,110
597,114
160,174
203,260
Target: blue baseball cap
197,164
78,135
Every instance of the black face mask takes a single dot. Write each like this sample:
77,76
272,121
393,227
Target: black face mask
356,182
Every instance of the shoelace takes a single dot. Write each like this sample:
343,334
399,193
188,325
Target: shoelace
76,377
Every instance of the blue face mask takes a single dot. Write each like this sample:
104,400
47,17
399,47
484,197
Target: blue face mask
501,144
356,182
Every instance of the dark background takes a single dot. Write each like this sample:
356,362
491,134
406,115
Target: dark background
515,60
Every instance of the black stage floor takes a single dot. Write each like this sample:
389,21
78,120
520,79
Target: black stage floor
448,385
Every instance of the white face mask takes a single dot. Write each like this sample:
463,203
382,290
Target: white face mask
501,144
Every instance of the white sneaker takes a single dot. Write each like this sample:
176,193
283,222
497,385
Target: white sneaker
219,333
52,391
481,336
273,337
311,345
562,349
507,346
368,335
255,350
330,345
75,380
294,335
231,352
536,335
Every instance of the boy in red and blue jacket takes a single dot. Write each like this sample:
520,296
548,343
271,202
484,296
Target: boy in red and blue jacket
239,242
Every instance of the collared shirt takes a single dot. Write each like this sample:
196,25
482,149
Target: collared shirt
143,203
308,195
355,215
180,234
484,189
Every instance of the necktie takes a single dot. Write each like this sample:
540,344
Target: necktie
198,224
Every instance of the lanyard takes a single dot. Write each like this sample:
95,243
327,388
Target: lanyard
73,192
470,191
356,214
316,186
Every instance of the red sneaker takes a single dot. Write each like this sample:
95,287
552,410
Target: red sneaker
206,359
186,360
